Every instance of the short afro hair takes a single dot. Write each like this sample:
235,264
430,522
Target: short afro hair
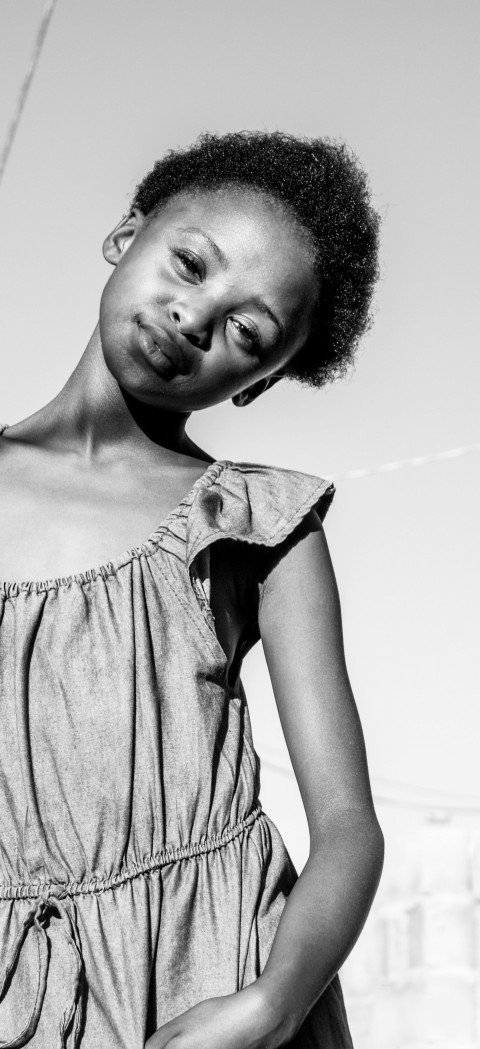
321,183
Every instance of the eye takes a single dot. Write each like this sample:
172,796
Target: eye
189,263
248,335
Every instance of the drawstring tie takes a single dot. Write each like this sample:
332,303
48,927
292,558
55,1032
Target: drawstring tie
35,917
45,899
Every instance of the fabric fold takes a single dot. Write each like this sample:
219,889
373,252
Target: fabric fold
252,503
255,504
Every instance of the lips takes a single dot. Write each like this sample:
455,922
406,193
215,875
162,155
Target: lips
158,344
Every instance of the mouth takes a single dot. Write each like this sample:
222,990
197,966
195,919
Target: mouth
159,348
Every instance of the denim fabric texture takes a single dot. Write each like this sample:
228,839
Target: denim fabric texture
139,874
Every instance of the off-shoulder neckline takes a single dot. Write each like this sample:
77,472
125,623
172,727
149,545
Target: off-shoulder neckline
10,588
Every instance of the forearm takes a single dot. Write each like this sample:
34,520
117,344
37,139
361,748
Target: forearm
323,915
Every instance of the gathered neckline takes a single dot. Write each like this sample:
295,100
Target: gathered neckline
10,588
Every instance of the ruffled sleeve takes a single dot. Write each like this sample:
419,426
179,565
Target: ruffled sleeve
252,503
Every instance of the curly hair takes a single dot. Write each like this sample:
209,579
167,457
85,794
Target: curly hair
321,183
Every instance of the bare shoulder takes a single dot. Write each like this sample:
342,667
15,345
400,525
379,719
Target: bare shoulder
299,570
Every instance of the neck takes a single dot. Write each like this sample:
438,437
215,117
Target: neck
93,415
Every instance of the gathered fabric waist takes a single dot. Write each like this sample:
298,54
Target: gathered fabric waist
100,883
48,897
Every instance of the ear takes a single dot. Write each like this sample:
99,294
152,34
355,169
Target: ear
119,240
252,392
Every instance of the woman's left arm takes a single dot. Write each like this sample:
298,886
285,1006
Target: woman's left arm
301,631
300,627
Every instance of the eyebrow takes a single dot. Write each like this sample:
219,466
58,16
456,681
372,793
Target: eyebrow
215,248
259,303
262,306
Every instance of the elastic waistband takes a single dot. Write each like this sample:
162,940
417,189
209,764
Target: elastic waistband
95,886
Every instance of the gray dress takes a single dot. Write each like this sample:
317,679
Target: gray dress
138,872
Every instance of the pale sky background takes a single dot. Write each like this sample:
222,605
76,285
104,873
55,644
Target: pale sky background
120,82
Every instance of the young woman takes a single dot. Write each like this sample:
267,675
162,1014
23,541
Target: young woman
145,897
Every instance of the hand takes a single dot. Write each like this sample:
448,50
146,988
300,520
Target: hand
245,1020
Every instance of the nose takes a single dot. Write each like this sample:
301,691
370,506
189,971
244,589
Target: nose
193,320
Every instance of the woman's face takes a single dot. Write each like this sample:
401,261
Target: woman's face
209,298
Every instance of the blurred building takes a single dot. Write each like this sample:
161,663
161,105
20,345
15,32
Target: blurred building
413,979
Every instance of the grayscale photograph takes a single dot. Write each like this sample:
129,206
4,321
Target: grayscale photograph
239,520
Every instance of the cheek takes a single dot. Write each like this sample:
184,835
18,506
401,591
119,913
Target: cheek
108,315
132,282
113,296
120,301
221,369
115,327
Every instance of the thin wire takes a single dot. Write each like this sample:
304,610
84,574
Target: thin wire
391,792
26,84
401,464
